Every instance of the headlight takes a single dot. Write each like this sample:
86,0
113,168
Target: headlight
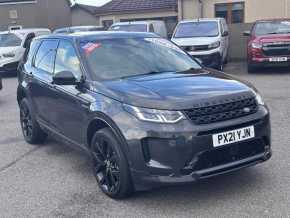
8,55
215,45
259,99
153,115
256,45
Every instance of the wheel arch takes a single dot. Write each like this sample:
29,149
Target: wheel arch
100,121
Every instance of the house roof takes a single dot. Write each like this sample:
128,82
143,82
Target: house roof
89,8
123,6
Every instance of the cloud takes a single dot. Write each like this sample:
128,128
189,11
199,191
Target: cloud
93,2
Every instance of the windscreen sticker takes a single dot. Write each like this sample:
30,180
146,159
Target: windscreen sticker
90,47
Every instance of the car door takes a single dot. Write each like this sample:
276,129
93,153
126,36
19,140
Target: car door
71,103
41,88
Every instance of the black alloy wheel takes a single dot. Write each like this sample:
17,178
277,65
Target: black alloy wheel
106,166
110,165
31,130
26,122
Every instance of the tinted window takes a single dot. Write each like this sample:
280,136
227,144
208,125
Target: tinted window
130,28
67,59
9,40
125,57
274,27
45,56
197,29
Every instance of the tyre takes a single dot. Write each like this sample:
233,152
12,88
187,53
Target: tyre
110,165
226,61
31,130
220,66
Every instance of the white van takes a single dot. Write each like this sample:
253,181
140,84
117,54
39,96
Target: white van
154,26
205,39
13,45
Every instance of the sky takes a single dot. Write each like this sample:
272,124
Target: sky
93,2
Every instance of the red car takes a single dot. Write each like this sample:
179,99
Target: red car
268,44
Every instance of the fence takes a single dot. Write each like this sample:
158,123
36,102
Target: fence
238,42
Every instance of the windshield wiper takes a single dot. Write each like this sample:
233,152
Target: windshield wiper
191,70
145,74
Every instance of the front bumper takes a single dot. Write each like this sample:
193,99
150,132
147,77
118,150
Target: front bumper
266,62
183,153
211,60
9,67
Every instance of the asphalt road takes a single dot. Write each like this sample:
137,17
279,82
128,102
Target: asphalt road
55,181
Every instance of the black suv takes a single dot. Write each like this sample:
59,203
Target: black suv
145,111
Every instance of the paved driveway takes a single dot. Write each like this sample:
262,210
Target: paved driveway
55,181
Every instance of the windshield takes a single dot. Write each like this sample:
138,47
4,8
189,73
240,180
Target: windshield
197,29
130,28
273,27
126,57
9,40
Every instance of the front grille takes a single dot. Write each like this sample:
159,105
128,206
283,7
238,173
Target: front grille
222,112
225,155
277,49
196,48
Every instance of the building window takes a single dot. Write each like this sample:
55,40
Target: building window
232,12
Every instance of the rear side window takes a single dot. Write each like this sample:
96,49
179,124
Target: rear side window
45,56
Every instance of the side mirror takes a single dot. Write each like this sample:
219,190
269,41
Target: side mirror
64,78
225,33
247,33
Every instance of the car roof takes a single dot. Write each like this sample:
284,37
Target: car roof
78,27
99,34
272,20
24,31
201,20
137,22
72,27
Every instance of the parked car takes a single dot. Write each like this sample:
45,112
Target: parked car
153,26
74,29
143,109
268,44
206,39
13,45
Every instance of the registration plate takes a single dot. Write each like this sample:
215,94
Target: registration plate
278,59
233,136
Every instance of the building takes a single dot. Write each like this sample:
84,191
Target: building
235,11
84,15
34,13
134,10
